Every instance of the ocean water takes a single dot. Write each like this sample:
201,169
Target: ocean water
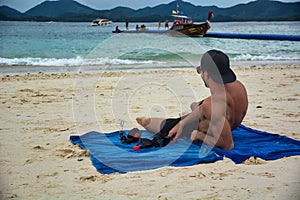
44,46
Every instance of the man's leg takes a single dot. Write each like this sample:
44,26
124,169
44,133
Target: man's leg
195,105
152,125
158,125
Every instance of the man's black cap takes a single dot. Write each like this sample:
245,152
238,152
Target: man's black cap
217,64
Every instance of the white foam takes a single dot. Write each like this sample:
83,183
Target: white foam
77,61
249,57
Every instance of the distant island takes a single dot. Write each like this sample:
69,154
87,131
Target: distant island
72,11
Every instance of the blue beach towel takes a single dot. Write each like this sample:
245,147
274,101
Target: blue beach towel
109,155
249,142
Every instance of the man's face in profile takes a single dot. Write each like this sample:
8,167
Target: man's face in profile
203,75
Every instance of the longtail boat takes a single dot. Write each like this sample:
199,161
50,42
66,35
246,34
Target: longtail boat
184,25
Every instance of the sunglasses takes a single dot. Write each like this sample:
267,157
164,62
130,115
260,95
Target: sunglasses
199,69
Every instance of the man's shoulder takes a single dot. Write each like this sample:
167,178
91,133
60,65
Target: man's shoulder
238,85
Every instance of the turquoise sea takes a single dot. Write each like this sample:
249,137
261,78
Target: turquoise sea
46,46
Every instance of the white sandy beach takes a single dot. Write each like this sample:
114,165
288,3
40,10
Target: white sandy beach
39,112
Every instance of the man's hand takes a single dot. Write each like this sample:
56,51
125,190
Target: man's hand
194,136
176,132
197,136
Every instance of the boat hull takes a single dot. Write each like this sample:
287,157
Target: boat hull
191,30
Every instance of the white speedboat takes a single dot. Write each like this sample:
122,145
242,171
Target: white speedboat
101,22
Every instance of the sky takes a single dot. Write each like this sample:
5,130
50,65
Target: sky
24,5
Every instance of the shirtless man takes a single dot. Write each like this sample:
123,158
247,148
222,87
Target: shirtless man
212,119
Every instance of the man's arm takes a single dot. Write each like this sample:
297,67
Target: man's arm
193,117
219,131
215,136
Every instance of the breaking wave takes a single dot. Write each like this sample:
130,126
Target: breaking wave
77,61
249,57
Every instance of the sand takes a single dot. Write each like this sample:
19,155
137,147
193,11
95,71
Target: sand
39,112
